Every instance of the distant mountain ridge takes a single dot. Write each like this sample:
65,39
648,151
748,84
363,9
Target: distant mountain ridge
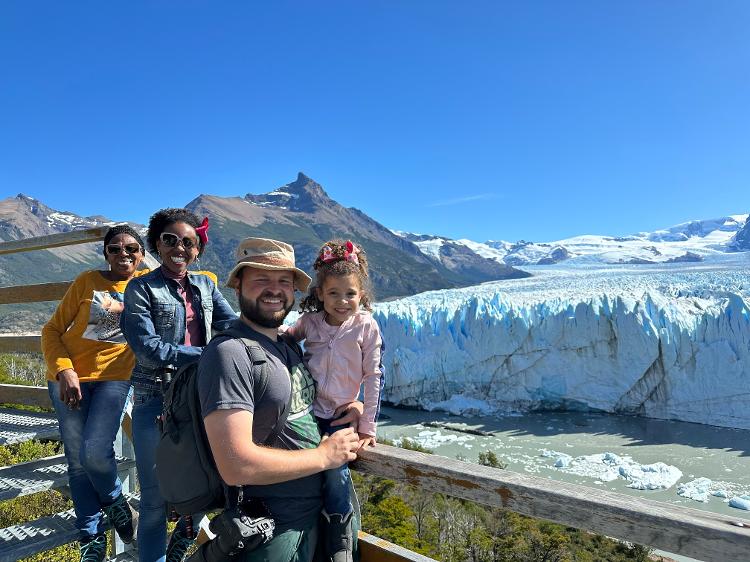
25,217
302,213
690,241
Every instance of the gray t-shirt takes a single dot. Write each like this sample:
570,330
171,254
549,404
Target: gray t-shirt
225,383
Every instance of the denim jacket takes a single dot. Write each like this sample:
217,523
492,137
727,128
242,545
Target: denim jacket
153,323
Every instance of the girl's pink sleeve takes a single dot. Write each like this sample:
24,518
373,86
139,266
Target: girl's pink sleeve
298,330
371,345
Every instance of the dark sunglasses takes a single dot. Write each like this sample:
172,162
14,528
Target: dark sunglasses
171,240
114,249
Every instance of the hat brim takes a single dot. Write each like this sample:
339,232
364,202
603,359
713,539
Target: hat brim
301,279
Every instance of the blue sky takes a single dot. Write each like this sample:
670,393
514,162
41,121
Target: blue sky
484,120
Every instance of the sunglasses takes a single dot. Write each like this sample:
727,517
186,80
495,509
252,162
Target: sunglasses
171,240
114,249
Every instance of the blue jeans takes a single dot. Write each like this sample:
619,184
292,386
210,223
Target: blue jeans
336,480
152,521
88,434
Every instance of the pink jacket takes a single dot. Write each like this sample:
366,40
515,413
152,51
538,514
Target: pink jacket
340,359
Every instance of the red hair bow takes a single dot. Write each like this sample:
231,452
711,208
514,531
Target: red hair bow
350,254
202,231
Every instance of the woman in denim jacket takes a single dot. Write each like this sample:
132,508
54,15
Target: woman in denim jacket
168,318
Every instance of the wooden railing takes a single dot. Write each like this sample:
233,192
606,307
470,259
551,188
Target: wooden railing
688,532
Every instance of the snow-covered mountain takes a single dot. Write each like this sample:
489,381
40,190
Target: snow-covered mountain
692,241
669,341
25,217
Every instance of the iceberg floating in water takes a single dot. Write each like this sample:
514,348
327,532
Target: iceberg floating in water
698,489
740,502
664,342
607,467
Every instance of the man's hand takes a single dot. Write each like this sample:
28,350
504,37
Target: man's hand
70,388
339,448
352,412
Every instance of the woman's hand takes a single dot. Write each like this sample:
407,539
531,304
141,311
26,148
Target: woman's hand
70,388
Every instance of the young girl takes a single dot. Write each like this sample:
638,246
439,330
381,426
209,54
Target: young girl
342,352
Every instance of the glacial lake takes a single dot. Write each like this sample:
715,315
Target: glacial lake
719,454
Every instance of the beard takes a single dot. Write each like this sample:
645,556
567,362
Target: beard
251,310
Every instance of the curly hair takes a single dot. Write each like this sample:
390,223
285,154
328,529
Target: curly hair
338,266
121,229
162,218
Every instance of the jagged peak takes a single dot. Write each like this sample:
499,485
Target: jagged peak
305,184
303,194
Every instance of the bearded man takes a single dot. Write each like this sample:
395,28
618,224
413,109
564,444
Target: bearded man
281,466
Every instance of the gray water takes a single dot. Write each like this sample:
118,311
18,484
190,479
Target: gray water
720,454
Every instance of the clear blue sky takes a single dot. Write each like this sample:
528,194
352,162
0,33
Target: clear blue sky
484,120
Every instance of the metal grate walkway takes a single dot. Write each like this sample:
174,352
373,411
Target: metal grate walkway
17,426
40,475
25,539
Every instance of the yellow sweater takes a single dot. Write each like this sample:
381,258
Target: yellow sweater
84,332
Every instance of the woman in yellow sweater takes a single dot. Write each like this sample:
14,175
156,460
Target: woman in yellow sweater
88,374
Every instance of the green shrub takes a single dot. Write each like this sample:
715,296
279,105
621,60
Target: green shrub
22,368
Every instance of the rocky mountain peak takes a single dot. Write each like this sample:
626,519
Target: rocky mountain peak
303,195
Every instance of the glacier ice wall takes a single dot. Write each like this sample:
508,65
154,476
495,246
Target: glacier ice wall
671,343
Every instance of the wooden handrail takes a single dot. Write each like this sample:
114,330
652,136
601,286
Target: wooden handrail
689,532
54,240
16,343
27,395
33,293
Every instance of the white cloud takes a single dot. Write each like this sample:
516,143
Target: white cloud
466,199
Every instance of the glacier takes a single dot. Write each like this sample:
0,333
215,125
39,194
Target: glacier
665,341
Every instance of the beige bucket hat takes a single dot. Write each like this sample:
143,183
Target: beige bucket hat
263,253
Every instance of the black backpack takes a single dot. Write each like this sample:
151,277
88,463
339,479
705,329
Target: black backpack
188,479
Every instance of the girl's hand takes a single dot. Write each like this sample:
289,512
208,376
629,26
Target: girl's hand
352,410
366,440
70,388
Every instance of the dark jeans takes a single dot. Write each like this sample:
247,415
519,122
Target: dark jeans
152,525
336,498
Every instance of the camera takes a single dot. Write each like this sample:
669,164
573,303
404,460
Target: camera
237,529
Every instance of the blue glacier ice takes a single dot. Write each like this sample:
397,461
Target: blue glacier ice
669,342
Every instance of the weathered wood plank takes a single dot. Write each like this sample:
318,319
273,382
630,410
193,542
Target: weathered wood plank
685,531
15,343
33,293
27,395
375,549
54,240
